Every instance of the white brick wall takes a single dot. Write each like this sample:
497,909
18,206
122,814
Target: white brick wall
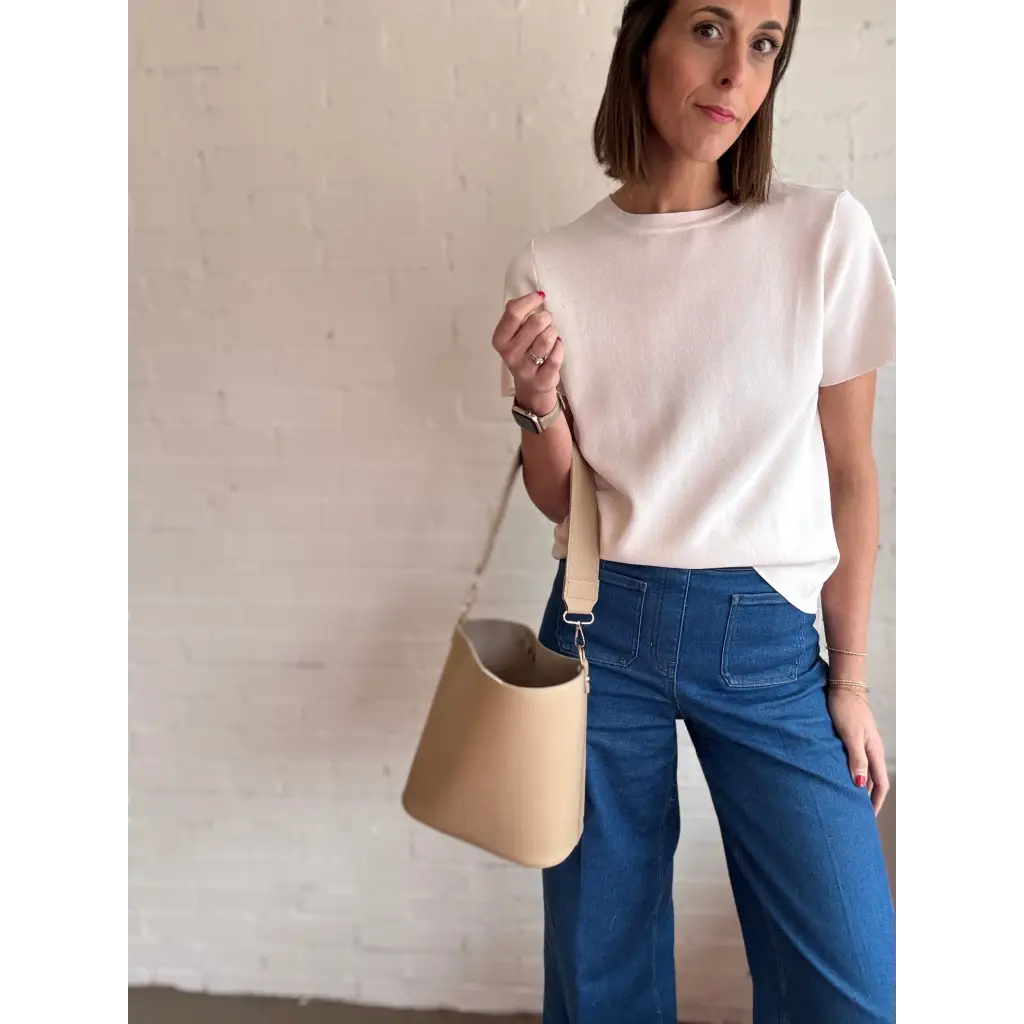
325,194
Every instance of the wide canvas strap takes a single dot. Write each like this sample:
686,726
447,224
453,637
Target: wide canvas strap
582,561
583,556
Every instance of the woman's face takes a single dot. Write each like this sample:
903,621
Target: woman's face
709,69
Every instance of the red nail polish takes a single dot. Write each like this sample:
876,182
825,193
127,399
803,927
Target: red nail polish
861,780
542,295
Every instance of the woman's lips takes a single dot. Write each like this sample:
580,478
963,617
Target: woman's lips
718,114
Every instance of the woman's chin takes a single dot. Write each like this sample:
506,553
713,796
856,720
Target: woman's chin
706,148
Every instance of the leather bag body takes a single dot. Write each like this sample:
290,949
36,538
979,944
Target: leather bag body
501,761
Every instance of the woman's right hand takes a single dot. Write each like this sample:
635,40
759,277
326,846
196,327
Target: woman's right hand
520,332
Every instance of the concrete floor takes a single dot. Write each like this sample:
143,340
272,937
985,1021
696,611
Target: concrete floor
168,1006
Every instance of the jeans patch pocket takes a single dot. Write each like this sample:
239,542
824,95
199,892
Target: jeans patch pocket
614,637
767,641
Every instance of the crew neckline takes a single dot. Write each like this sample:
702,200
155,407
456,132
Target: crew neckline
643,222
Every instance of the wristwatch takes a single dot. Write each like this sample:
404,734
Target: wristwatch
533,423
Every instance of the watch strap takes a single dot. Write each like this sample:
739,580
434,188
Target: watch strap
548,418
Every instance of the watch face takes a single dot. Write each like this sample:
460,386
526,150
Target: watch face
525,422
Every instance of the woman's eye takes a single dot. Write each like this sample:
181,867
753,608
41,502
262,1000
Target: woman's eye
707,30
765,46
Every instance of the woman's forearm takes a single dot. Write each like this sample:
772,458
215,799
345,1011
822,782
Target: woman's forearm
547,460
846,595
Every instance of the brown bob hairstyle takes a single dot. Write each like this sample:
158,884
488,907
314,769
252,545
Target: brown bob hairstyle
623,124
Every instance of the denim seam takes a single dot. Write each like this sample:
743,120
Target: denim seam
655,625
741,860
657,905
549,926
835,871
679,643
555,958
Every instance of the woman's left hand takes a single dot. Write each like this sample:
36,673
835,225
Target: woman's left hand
854,721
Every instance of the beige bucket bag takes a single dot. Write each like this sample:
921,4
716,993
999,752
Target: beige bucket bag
501,760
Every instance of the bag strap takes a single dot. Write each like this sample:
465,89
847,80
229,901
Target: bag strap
579,593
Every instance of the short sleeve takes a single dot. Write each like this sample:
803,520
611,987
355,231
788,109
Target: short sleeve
860,297
520,279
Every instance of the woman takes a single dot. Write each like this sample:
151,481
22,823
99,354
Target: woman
721,334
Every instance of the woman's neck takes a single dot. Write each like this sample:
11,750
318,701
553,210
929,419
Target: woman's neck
685,188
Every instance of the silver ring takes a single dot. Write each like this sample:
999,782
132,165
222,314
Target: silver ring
538,360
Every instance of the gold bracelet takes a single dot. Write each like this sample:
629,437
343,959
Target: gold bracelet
856,654
853,685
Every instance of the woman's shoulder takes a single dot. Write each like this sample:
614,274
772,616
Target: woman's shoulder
789,197
832,213
573,233
581,226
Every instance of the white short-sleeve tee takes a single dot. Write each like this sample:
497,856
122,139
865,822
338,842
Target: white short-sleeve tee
695,345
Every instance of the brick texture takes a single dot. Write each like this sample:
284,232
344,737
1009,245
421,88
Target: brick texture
324,197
